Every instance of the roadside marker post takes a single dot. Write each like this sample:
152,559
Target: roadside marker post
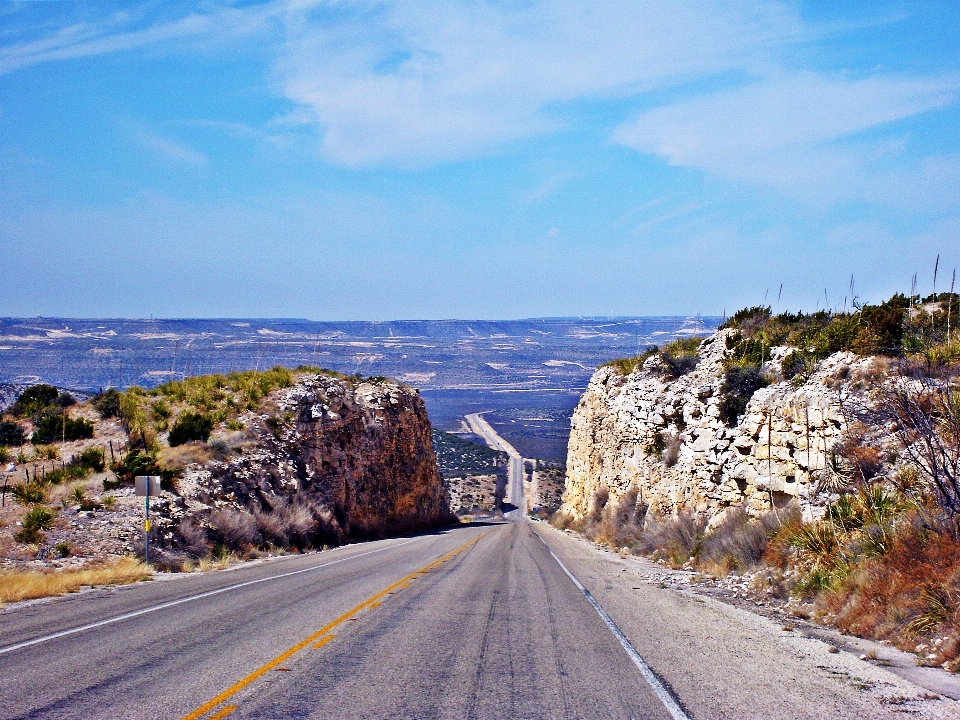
145,486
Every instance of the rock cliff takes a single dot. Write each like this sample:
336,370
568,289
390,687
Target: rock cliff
356,457
665,437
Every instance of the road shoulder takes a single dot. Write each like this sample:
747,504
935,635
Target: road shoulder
743,659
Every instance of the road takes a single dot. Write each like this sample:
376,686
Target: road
514,493
481,621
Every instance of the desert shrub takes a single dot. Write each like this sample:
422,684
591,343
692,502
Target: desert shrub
867,330
56,427
739,385
11,434
35,400
288,524
925,417
671,448
47,452
107,403
4,454
91,458
748,318
621,523
36,520
29,493
675,538
234,529
62,549
625,366
193,538
56,476
598,501
905,595
821,560
655,445
793,364
137,462
740,542
680,357
219,449
190,426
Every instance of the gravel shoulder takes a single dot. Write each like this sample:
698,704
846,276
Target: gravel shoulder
724,659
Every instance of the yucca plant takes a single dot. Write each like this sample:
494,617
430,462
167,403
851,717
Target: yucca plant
36,520
29,493
939,607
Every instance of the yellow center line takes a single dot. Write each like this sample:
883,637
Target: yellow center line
323,641
370,602
223,712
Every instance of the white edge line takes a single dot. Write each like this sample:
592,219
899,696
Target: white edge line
172,603
676,712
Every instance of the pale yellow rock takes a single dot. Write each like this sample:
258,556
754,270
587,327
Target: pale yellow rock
619,418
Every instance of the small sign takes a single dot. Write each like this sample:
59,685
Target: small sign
147,485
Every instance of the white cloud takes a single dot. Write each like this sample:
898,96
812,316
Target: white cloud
416,83
785,131
114,34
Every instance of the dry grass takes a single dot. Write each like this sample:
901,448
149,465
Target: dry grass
31,584
909,595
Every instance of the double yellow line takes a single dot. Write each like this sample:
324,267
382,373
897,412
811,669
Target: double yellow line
317,637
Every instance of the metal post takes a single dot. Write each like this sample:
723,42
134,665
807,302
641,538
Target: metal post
146,528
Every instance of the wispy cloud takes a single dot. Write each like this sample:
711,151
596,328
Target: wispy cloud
412,84
170,149
548,187
787,131
417,83
118,33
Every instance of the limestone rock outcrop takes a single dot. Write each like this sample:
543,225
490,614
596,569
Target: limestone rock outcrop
666,438
358,456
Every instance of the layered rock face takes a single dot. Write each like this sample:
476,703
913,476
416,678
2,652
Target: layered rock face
356,456
666,437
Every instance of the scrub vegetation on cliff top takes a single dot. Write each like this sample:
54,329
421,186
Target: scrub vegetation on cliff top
159,431
675,359
883,560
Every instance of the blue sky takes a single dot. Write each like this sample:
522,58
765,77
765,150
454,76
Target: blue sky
383,160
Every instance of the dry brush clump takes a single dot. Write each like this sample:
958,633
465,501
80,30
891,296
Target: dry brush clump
16,585
910,595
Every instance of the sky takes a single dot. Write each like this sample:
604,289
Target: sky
469,159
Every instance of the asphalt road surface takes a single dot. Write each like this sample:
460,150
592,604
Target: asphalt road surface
514,491
481,621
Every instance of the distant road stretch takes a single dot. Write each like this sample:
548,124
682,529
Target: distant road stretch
514,495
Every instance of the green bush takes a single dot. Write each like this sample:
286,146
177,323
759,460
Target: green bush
134,463
793,364
91,458
739,385
36,519
625,366
107,403
190,426
35,400
11,434
57,427
867,330
29,493
680,357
